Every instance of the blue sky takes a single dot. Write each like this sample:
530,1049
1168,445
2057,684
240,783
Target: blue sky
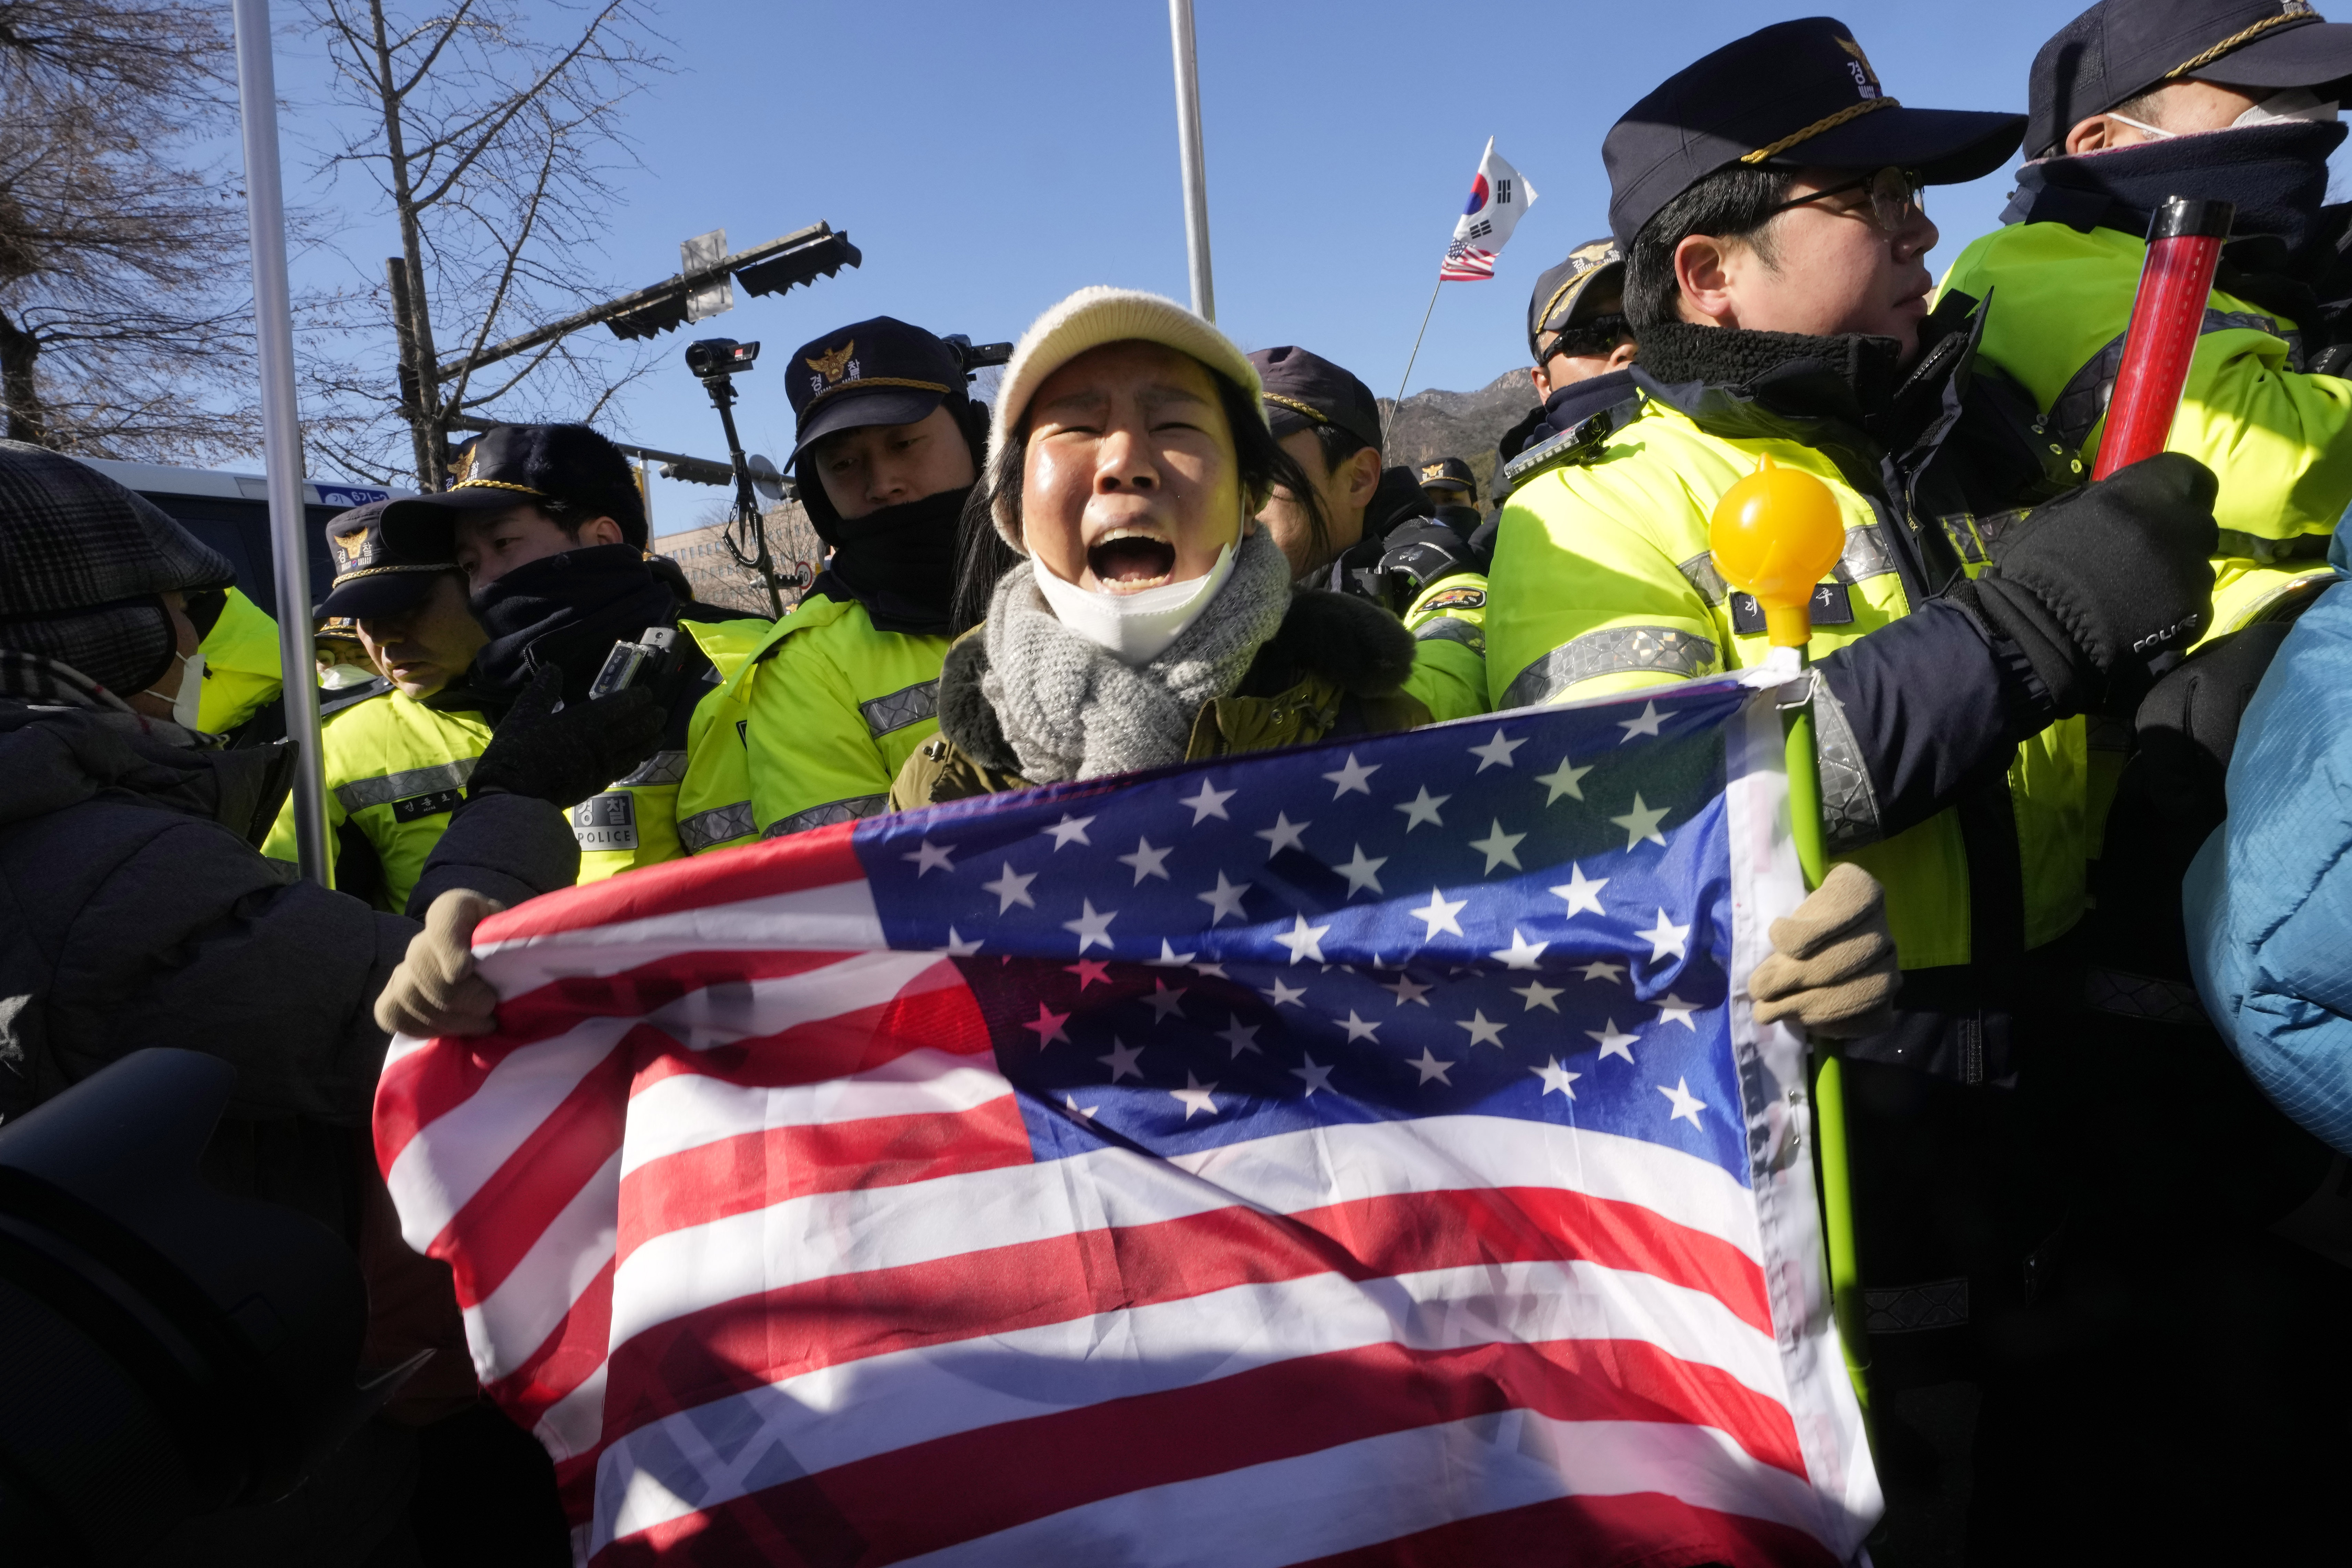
988,158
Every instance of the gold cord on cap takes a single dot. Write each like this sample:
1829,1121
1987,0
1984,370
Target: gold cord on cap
1830,122
859,384
2295,11
497,485
1296,407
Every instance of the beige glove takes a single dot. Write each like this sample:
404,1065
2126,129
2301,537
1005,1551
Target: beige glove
1833,964
436,991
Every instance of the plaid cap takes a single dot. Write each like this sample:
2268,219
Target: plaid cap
83,564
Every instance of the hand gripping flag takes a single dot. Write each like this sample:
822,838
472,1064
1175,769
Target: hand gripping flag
1499,196
1360,1154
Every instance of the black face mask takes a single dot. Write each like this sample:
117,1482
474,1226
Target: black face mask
2275,174
567,610
900,561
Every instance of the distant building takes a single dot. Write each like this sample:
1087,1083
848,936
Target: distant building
717,578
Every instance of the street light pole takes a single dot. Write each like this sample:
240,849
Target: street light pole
281,431
1188,144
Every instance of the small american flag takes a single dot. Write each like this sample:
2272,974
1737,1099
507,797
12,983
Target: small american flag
1359,1153
1465,263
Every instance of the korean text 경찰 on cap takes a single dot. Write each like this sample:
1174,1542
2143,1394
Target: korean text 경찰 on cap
876,372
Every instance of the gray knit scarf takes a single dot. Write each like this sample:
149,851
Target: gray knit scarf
1072,709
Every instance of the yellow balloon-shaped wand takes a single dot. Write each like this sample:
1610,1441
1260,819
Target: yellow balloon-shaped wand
1776,534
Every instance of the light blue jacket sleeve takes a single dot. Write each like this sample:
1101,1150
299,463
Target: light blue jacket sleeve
2269,898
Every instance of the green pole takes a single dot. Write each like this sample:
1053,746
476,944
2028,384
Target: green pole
1831,1149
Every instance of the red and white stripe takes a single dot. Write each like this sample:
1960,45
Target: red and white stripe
747,1227
1466,264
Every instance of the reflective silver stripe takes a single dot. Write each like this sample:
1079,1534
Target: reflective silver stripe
382,790
910,705
828,813
1850,816
661,768
2271,552
1864,555
1665,649
1448,629
720,824
2083,401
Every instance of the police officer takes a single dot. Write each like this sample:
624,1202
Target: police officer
1767,200
1582,345
395,757
815,723
1372,531
2136,100
1449,481
240,654
547,524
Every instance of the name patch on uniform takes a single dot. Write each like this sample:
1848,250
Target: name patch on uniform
1458,599
432,805
607,821
1832,607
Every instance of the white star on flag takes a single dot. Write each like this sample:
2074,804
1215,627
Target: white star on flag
1431,1068
1194,1096
1082,1112
1665,939
1162,1001
1121,1060
1582,892
1356,1028
1048,1026
1499,847
1168,957
1089,971
1421,808
1011,889
1283,994
1089,928
1613,972
1146,861
1304,941
1563,781
1612,1043
1674,1010
1209,802
1687,1105
1537,994
1482,1031
1361,873
1408,991
1496,753
1070,831
929,856
1642,823
1241,1037
1440,912
1645,723
1225,898
1521,954
959,948
1353,776
1317,1077
1283,835
1556,1077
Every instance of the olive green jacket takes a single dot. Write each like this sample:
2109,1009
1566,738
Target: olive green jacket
1335,669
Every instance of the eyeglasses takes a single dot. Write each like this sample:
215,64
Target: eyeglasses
1895,197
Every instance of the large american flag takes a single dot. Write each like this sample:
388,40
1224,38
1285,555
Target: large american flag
1358,1153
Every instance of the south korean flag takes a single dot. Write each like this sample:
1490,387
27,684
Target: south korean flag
1498,195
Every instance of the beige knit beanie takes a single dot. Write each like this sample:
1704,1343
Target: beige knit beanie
1088,319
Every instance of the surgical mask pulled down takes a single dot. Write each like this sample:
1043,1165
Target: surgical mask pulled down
1136,628
2290,103
191,695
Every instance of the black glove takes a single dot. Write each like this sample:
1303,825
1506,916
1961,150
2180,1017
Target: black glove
563,758
1421,552
2187,726
2096,584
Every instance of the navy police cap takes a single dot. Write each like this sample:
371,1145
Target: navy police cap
2120,48
1304,389
877,372
1562,292
517,465
1788,96
374,578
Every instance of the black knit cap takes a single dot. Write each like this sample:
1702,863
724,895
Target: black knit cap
1788,96
2120,48
1563,293
84,562
509,465
880,370
1303,389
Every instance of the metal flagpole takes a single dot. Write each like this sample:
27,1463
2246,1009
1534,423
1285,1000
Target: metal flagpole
273,319
1398,402
1188,144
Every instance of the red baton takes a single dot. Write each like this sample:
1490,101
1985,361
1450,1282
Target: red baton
2184,246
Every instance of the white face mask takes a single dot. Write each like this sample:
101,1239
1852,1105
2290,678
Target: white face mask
2291,104
191,695
1136,628
337,677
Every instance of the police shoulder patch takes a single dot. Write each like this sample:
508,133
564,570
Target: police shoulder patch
1456,599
